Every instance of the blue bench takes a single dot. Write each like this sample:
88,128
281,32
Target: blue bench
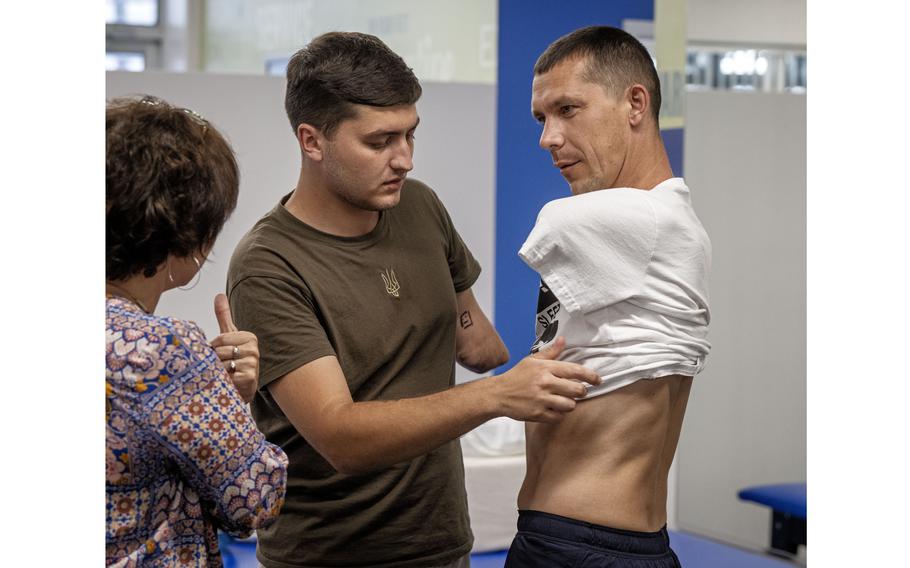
693,551
787,502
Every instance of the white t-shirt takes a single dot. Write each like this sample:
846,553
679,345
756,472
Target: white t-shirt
625,280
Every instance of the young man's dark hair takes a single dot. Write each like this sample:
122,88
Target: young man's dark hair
172,182
340,69
615,60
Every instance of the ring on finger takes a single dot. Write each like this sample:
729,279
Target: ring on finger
232,366
235,353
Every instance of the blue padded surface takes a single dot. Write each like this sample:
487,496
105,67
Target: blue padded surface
787,498
237,553
693,552
489,559
698,552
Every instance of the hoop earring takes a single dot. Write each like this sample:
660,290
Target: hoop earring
198,275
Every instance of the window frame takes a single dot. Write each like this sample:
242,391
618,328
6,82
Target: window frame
133,38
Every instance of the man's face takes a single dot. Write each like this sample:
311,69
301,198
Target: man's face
586,131
368,157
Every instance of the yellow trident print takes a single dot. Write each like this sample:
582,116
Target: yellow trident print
391,282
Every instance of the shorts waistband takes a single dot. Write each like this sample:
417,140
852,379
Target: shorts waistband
619,540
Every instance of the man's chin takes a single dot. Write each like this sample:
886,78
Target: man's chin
578,188
587,185
376,203
386,201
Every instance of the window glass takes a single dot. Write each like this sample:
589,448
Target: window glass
132,12
442,40
124,61
746,69
276,66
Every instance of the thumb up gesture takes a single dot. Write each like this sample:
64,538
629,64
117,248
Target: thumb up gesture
238,350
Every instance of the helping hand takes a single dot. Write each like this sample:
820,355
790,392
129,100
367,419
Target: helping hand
238,350
542,389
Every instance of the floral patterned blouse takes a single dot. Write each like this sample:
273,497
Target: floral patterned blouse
183,454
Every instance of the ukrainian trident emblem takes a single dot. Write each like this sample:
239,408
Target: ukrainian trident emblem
391,282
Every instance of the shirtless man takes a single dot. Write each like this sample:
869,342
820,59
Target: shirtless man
624,264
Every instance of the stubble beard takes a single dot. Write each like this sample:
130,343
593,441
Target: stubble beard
354,196
347,187
365,204
586,185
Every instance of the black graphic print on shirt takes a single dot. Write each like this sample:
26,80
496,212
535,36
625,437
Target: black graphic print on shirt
547,325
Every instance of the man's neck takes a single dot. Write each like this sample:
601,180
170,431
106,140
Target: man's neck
317,206
650,166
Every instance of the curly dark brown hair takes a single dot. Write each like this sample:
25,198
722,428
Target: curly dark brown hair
172,182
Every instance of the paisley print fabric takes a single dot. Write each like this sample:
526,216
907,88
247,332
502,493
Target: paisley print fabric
183,456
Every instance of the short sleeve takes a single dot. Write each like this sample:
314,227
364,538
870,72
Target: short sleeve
593,250
285,322
463,267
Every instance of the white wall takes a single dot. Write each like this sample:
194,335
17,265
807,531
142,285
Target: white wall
760,22
745,161
454,155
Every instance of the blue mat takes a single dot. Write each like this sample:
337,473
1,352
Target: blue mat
488,559
237,553
693,552
698,552
789,498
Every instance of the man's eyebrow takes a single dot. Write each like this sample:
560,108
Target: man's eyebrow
381,132
554,104
562,101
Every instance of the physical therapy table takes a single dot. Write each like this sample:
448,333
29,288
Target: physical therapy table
787,502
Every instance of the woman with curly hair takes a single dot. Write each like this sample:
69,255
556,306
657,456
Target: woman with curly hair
183,454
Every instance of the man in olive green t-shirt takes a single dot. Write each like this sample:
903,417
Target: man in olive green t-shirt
358,287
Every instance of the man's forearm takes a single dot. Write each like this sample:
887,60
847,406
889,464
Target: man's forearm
376,434
359,436
483,360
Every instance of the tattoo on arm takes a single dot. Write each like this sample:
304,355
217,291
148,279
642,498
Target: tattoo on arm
465,320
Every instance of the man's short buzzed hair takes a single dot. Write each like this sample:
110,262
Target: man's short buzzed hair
340,69
615,60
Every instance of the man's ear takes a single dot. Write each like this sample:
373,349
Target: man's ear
639,100
311,140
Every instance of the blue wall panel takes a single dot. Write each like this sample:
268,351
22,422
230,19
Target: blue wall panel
673,142
525,176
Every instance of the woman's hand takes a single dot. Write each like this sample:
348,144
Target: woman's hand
238,350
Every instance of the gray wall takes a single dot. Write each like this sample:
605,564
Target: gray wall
745,160
779,23
454,155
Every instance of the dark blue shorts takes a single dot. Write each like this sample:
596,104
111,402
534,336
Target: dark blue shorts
550,541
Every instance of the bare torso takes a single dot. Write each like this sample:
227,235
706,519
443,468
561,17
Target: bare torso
607,462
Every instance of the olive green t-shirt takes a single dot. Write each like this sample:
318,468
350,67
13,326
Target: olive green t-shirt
384,305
